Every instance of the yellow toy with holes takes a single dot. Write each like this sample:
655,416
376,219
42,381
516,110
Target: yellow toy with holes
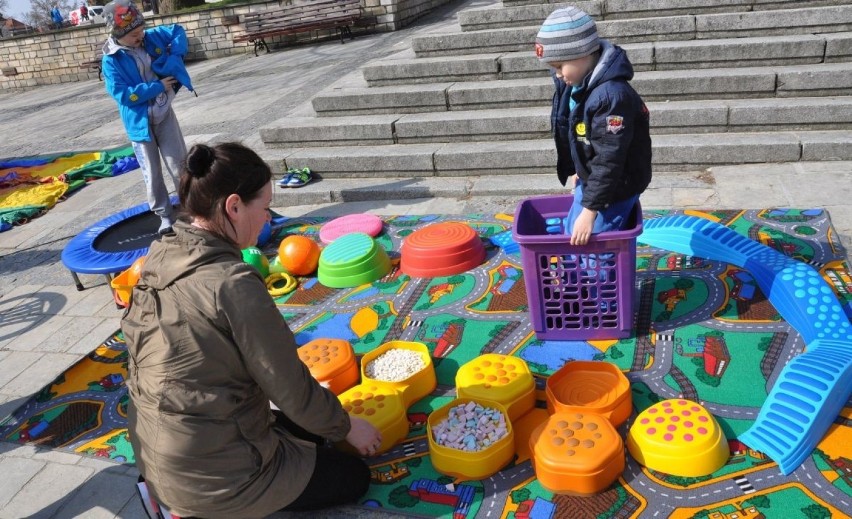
290,284
499,378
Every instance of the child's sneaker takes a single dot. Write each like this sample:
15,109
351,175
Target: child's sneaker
296,178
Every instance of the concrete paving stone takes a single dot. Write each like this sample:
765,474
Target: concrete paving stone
50,455
13,291
19,320
723,148
17,472
16,450
657,197
62,298
506,93
497,158
33,500
512,39
39,337
38,374
704,83
478,67
827,79
96,335
695,198
103,496
97,296
804,113
80,329
12,365
688,116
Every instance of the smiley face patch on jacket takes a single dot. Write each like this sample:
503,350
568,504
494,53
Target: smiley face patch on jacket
614,124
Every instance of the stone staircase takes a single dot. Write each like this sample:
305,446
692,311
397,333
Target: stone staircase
726,82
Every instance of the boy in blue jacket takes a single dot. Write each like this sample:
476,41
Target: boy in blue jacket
143,70
600,124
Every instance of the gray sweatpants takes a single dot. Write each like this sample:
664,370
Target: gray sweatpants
166,141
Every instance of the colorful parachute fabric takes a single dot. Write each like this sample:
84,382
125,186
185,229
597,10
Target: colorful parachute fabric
29,186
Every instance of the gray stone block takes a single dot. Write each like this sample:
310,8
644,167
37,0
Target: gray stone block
382,100
477,42
515,65
497,16
508,93
694,151
480,125
619,9
295,132
479,67
816,113
364,162
496,158
776,22
705,84
830,79
827,145
648,29
838,47
739,52
688,117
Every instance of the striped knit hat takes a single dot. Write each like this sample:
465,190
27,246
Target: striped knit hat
567,34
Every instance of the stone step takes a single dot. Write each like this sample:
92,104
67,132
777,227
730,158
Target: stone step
684,27
749,115
406,68
679,152
619,9
827,79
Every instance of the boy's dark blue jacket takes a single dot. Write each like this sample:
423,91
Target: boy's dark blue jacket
606,139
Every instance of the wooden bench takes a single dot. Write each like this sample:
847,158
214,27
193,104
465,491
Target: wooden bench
298,18
95,62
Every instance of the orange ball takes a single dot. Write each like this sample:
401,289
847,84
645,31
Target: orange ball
299,255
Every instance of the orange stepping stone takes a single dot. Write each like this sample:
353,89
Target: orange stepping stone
331,362
590,387
577,453
441,249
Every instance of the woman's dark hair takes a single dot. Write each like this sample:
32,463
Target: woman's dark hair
212,173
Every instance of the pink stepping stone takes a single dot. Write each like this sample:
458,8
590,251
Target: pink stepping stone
366,223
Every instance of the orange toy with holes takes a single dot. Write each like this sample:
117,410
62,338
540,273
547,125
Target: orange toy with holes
299,255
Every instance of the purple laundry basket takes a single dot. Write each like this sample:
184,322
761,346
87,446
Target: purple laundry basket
576,292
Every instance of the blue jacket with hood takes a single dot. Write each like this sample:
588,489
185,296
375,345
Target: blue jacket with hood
606,139
126,85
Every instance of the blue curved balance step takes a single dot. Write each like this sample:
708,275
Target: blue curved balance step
814,386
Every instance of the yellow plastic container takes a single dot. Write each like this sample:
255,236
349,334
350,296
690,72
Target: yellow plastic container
499,378
577,453
331,362
414,387
590,387
464,464
381,405
678,437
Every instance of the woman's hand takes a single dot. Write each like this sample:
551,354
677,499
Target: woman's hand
363,436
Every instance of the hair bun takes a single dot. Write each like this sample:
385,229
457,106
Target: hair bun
199,159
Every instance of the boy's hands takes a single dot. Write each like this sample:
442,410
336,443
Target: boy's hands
363,436
168,82
583,227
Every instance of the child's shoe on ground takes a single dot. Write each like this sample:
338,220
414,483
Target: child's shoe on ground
296,178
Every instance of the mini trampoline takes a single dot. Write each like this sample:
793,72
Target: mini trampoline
112,244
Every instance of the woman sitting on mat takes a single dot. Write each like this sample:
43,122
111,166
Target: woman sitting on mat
209,350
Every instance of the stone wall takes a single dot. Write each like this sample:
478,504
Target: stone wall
57,57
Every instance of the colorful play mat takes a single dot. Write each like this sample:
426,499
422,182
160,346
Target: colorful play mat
705,332
30,186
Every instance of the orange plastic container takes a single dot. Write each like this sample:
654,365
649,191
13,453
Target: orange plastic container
678,437
499,378
441,249
576,453
412,388
123,283
331,362
381,405
465,464
590,387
